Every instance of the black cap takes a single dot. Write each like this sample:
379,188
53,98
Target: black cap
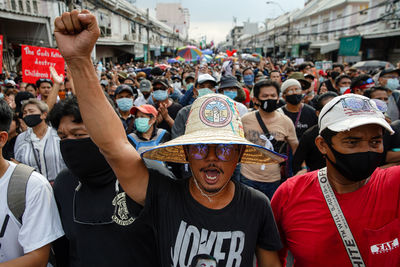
122,88
386,71
228,81
164,82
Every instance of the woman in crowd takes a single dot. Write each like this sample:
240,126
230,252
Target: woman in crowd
39,145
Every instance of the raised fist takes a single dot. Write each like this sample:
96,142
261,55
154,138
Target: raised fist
76,34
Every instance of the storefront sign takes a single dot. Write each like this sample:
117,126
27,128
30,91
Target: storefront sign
350,46
37,60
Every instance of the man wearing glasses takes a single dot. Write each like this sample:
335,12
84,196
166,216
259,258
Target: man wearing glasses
206,214
346,214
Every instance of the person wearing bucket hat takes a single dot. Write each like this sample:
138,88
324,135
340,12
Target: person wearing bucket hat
230,87
187,215
302,115
351,207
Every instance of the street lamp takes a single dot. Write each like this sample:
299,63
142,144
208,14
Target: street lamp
288,31
275,3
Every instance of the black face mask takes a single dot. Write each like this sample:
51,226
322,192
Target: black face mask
32,120
84,160
268,105
356,166
294,99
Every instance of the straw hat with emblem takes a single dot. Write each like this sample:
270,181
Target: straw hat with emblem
213,119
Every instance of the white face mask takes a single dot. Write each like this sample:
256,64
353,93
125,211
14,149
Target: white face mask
344,89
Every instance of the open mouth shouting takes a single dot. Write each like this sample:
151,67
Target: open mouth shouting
211,174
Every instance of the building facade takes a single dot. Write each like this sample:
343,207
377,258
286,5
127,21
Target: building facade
127,32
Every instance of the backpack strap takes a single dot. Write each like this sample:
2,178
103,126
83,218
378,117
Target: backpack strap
161,134
16,191
262,124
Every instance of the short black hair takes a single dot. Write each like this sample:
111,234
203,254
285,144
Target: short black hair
341,77
335,65
66,107
274,71
40,81
357,81
248,68
6,116
323,97
265,83
304,65
327,135
371,90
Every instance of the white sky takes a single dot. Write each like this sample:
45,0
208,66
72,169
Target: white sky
214,18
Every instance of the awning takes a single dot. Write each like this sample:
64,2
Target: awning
350,46
326,47
382,34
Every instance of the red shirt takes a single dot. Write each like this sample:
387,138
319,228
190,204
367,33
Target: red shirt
309,232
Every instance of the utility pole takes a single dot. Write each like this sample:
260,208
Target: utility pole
287,38
148,35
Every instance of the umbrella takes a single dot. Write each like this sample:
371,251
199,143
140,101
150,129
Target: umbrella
208,58
372,65
172,60
220,58
180,59
207,52
257,55
189,53
163,66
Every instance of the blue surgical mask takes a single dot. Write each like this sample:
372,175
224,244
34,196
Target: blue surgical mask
142,124
1,95
321,79
124,104
204,91
188,86
393,84
344,89
160,95
231,94
248,79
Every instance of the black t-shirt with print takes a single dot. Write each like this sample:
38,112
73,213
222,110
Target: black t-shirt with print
113,244
185,228
307,119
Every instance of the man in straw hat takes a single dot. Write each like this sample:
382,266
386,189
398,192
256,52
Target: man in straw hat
346,214
206,214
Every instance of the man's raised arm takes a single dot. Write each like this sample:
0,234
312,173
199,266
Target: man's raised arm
76,34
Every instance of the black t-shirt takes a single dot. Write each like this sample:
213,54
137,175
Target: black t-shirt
308,151
172,111
307,119
185,228
107,245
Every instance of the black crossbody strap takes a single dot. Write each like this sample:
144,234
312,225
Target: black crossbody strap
262,124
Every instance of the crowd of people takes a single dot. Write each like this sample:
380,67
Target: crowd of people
175,165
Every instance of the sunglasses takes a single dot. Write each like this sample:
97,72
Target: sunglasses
224,152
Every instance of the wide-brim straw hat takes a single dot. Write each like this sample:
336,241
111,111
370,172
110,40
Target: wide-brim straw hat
213,119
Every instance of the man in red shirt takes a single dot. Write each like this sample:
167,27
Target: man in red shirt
309,213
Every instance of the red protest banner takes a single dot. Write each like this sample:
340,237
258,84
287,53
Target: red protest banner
1,53
37,60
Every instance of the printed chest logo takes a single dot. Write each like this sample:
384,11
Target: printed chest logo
215,112
385,247
190,241
121,214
